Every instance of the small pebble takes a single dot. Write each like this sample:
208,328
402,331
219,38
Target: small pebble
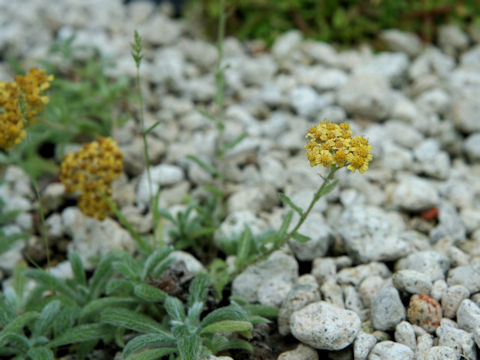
466,276
441,353
325,326
468,315
392,351
425,312
301,352
459,340
387,309
362,345
452,298
412,281
405,334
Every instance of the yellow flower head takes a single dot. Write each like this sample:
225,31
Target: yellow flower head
91,171
20,103
331,144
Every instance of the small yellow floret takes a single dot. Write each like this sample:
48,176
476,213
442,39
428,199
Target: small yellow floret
91,171
331,144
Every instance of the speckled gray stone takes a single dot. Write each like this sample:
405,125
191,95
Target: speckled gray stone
301,352
414,194
466,276
391,350
298,297
405,334
460,340
372,234
441,353
325,326
332,293
413,282
468,315
355,275
428,262
324,269
439,288
362,345
452,298
387,309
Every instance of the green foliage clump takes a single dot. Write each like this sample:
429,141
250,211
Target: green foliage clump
345,22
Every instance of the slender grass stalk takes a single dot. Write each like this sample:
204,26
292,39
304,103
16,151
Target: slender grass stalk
220,87
137,55
44,224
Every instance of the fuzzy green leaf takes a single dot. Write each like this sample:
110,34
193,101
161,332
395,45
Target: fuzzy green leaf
8,307
153,260
198,289
225,313
174,308
14,340
227,326
282,232
77,268
152,354
327,189
98,305
119,286
166,214
148,341
46,279
300,237
19,322
189,346
102,274
149,293
81,333
40,353
47,317
233,344
131,320
128,268
244,246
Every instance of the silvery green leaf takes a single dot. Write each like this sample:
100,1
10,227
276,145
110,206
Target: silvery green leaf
98,305
47,317
198,290
131,320
154,259
148,341
149,293
77,268
174,308
189,346
40,353
227,326
81,333
225,313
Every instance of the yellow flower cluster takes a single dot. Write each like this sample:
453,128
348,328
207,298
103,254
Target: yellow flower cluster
20,103
91,171
333,144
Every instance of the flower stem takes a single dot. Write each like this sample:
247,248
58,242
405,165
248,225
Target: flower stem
318,194
322,190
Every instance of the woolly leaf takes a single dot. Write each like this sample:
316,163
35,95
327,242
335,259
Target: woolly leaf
227,326
131,320
174,308
47,317
153,260
40,353
98,305
77,268
300,237
149,293
81,333
152,354
148,341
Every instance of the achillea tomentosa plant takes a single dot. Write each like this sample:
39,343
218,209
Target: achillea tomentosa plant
21,101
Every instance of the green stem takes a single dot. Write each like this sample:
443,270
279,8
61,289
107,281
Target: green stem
318,194
315,198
